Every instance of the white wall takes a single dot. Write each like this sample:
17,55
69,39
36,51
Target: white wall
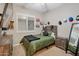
24,12
1,7
53,16
63,12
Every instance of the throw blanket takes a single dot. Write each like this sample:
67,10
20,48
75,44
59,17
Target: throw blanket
31,38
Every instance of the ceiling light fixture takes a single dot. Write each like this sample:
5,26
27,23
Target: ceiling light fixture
44,6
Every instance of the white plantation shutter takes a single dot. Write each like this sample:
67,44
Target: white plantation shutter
26,24
22,25
30,23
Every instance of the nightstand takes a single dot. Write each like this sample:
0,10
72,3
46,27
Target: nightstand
60,42
6,45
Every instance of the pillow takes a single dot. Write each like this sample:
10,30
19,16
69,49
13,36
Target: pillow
53,34
45,33
49,33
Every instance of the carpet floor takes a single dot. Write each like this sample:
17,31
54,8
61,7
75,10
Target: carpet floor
51,51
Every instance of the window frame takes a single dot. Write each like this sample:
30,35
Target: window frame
25,17
34,24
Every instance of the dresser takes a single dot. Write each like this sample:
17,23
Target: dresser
60,42
6,45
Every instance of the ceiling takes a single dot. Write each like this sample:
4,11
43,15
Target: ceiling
39,7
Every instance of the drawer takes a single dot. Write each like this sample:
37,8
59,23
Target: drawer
60,43
1,50
5,50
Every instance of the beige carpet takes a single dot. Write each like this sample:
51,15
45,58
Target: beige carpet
51,51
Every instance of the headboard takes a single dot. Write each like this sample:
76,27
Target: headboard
52,28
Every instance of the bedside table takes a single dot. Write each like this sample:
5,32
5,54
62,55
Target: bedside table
60,42
6,45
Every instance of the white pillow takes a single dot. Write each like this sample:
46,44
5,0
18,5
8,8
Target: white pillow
53,34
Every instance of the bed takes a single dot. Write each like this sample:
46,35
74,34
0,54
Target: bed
33,46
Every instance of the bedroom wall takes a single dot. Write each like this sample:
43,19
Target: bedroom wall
17,36
53,16
63,12
1,7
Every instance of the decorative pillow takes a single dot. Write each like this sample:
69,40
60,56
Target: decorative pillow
53,34
49,33
45,33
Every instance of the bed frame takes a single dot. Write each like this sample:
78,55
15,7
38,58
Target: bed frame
52,28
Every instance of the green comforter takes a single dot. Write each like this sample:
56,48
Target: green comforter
32,47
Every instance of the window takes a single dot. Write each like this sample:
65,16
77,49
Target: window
30,23
25,24
22,24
